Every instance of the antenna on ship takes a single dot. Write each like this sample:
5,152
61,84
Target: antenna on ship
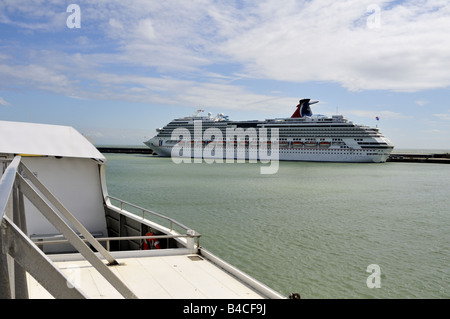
198,112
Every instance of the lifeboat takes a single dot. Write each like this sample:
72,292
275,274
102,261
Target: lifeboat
310,143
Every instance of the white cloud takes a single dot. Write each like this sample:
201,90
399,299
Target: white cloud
191,52
421,102
443,116
436,131
48,16
3,102
168,91
297,41
145,30
330,41
34,76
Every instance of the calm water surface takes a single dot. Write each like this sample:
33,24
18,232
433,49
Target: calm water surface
311,228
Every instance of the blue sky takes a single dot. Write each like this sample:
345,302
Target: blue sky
117,70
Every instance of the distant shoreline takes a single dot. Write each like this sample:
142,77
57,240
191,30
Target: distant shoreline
125,149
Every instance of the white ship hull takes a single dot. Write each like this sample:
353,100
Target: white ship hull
286,154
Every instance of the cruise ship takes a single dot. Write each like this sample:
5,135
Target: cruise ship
302,137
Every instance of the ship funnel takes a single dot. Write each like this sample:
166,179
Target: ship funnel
303,108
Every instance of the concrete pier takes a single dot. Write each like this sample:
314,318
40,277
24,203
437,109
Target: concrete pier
124,150
443,158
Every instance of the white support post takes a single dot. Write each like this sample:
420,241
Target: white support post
63,210
24,251
73,238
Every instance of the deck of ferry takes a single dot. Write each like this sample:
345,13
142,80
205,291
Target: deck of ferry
62,235
186,276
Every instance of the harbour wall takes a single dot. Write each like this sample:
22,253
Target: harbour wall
124,150
441,158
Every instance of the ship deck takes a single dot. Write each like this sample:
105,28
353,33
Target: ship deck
187,276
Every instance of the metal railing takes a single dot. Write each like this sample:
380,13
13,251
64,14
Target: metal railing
26,256
40,242
145,214
17,182
143,211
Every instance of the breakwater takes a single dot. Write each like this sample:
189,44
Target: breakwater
124,150
441,158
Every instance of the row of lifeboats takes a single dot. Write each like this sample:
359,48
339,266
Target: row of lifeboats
297,144
281,144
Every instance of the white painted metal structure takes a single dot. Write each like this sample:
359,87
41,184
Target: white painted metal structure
59,226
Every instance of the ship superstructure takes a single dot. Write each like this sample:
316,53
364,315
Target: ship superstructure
302,137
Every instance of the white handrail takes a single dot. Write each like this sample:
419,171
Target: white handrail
38,241
144,210
7,184
12,182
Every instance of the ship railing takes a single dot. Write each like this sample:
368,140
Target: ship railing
144,213
148,217
19,255
41,241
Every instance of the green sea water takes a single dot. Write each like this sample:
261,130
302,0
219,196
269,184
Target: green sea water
311,228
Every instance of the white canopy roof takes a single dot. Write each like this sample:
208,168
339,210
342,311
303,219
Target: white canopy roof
44,139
